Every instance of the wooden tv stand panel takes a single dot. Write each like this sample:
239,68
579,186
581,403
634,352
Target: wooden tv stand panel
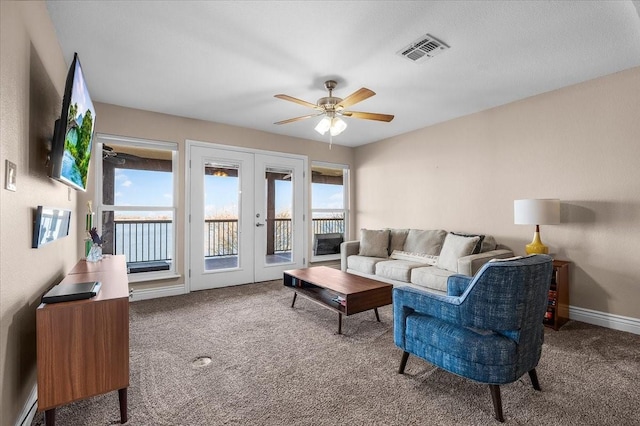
83,345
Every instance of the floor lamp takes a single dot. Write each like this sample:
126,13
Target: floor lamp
536,212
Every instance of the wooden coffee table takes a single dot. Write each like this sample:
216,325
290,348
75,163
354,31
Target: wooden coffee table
347,294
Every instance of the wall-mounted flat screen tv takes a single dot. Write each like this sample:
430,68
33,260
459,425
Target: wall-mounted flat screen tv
49,225
73,132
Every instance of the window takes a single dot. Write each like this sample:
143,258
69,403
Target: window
137,204
329,209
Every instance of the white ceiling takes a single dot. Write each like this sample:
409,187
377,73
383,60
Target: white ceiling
223,61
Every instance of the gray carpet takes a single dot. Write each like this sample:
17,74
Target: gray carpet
273,365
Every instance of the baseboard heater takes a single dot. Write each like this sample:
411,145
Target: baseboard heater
327,244
152,266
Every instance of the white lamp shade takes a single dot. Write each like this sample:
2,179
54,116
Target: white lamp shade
323,125
536,212
337,126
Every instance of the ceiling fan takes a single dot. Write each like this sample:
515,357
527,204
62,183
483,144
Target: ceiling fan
118,158
332,108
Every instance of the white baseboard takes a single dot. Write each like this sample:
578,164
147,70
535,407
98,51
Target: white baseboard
603,319
29,410
153,293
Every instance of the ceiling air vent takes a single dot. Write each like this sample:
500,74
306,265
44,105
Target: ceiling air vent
423,48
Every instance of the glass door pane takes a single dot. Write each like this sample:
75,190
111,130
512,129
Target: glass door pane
221,214
221,222
279,206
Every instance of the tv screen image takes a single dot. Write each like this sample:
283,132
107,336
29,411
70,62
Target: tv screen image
73,134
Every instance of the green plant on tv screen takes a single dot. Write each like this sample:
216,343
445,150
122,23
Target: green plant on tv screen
78,139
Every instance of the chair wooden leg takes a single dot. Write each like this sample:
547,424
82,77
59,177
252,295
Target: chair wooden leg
497,402
403,362
534,379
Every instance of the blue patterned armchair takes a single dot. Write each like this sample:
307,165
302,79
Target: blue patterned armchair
488,328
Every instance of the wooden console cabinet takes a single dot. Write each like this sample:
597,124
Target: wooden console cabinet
558,307
83,345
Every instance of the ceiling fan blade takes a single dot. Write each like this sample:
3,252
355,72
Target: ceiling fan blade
368,115
304,117
298,101
357,96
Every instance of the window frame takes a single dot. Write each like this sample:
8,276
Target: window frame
345,210
100,207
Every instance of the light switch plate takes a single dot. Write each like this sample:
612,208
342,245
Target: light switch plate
10,176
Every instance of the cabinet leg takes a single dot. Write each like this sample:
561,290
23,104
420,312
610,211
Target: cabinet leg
377,315
50,417
122,397
294,299
339,323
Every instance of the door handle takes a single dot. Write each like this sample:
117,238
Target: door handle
259,224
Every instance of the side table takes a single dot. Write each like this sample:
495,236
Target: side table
558,307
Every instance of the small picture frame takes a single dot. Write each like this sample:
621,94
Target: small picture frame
10,176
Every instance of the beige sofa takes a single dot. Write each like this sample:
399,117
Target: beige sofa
419,258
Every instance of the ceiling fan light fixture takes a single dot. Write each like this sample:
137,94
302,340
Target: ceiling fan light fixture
335,125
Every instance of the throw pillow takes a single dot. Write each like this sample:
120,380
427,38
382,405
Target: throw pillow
478,246
374,242
426,259
488,244
398,237
427,242
453,248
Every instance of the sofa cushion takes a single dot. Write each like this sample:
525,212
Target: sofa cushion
374,242
427,242
478,246
455,247
399,270
397,239
364,264
427,259
431,277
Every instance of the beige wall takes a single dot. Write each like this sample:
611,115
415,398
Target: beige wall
32,77
116,120
580,144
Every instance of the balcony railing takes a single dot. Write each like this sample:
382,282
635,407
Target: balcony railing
221,237
328,226
150,240
222,234
143,240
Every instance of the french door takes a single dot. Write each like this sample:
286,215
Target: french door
246,216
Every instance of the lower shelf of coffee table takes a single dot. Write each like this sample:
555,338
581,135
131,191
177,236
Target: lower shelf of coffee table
323,296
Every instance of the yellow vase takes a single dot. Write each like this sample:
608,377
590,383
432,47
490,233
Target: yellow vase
536,246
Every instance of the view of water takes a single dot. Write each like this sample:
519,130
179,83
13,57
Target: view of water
70,170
